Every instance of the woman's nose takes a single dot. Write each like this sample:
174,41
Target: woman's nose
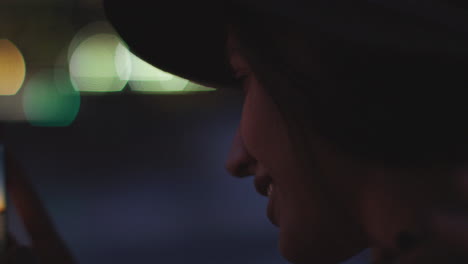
239,162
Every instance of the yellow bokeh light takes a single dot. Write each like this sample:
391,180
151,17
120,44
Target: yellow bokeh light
12,68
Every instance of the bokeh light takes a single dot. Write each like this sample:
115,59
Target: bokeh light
99,61
193,87
145,78
95,28
123,62
92,65
12,68
49,99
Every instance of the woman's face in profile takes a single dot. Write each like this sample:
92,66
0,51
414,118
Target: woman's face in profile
305,205
335,205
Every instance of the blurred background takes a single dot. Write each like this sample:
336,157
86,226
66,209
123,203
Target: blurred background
3,224
128,160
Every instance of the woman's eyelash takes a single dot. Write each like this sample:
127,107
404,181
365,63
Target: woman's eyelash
241,78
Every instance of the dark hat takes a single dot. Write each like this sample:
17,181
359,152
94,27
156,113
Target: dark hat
187,37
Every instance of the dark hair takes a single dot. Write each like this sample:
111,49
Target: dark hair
376,102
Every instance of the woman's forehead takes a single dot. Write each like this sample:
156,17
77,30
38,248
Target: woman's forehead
233,51
232,44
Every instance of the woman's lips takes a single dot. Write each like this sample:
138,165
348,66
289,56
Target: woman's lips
271,213
265,186
262,183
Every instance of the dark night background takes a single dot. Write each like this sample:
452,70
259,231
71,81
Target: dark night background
136,178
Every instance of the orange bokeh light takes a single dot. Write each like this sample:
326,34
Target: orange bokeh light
12,68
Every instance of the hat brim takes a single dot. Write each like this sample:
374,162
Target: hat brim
188,38
185,38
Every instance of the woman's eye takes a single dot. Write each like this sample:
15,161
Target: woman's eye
242,78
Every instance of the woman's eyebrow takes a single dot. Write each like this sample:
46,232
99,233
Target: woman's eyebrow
231,51
235,59
232,54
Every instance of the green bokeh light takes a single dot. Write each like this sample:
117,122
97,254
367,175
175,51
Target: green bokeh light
93,66
50,100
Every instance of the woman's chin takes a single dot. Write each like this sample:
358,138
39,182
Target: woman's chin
299,248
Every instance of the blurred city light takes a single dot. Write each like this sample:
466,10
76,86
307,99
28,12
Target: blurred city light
145,78
193,87
100,62
95,28
92,65
49,99
12,68
123,62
